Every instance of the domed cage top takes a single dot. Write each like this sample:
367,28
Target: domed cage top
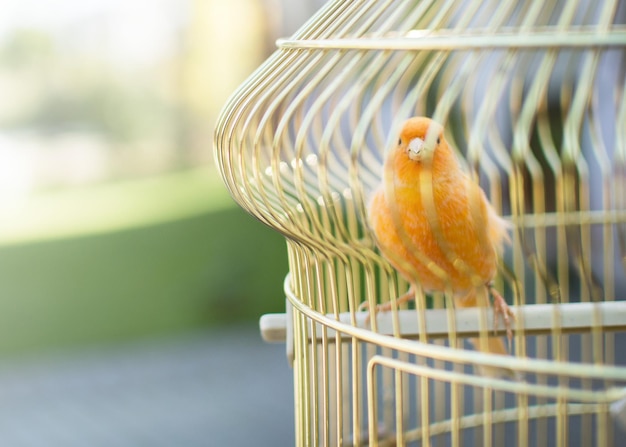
533,101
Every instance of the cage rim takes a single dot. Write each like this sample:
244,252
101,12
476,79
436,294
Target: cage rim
445,353
581,37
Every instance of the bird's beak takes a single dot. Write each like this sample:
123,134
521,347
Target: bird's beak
416,145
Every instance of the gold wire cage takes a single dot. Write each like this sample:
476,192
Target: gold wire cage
533,95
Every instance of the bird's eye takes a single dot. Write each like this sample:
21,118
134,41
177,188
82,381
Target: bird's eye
399,141
438,140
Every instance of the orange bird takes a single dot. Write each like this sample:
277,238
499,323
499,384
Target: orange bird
435,225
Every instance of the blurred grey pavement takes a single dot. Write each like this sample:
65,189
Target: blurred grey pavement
220,387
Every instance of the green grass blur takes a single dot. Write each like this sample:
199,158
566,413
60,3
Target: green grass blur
177,271
114,224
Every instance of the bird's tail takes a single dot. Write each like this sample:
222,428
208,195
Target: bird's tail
492,345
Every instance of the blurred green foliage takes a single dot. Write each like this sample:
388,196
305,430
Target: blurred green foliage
74,92
217,268
27,48
114,228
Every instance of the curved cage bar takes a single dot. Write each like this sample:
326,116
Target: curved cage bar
532,96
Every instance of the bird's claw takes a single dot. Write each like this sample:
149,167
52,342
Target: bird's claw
502,308
385,307
365,306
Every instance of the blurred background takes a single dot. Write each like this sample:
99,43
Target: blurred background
129,296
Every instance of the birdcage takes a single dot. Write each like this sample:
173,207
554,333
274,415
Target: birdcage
532,97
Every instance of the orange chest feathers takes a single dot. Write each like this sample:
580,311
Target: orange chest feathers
438,236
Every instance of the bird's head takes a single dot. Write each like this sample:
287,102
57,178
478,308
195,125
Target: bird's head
421,145
420,138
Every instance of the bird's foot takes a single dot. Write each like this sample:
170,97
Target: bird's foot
386,307
500,307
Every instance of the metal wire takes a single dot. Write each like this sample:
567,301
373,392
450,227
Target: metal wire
532,95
